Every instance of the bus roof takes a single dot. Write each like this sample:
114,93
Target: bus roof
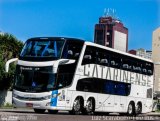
117,51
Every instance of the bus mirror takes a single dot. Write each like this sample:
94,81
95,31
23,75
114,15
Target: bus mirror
8,62
88,57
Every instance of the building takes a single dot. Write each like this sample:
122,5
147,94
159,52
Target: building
111,32
156,58
142,53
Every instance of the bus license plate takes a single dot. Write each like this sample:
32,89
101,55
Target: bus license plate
29,104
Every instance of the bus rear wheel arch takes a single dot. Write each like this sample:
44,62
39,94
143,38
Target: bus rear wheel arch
90,106
78,106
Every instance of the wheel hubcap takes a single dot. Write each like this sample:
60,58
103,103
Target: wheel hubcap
89,106
138,109
130,109
77,105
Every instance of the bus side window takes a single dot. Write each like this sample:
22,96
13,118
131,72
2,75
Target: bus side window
115,62
72,50
90,56
144,68
128,89
87,59
149,68
70,54
126,63
120,89
109,87
137,66
88,85
103,62
102,57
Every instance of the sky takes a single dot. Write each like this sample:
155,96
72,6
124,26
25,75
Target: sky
77,18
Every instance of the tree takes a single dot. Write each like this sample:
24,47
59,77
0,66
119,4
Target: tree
10,47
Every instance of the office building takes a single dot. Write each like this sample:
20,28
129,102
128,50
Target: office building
142,53
156,58
111,32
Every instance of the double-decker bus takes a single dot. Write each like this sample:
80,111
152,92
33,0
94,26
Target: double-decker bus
54,73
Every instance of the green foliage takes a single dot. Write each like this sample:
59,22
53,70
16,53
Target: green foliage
7,105
10,47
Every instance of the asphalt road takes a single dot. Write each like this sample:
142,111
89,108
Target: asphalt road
29,115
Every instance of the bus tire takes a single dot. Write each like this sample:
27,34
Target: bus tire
90,106
139,108
53,111
77,106
131,109
39,110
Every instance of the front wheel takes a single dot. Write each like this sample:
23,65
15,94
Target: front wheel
77,106
39,110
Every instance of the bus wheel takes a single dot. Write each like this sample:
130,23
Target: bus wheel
139,108
131,109
52,111
39,110
77,106
90,106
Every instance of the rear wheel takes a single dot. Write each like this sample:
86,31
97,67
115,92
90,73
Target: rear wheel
90,106
131,109
39,110
139,108
52,111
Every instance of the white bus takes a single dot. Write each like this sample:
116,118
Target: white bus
81,77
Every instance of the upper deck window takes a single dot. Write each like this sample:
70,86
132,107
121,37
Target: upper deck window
51,48
42,48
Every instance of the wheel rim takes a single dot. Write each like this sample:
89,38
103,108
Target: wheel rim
77,105
89,106
130,109
138,109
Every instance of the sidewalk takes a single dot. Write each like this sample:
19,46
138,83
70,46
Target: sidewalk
16,109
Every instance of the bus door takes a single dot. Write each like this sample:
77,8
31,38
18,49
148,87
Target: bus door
106,100
121,92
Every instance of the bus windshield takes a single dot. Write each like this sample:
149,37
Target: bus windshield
32,79
42,48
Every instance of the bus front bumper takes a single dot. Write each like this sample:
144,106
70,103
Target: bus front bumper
45,104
